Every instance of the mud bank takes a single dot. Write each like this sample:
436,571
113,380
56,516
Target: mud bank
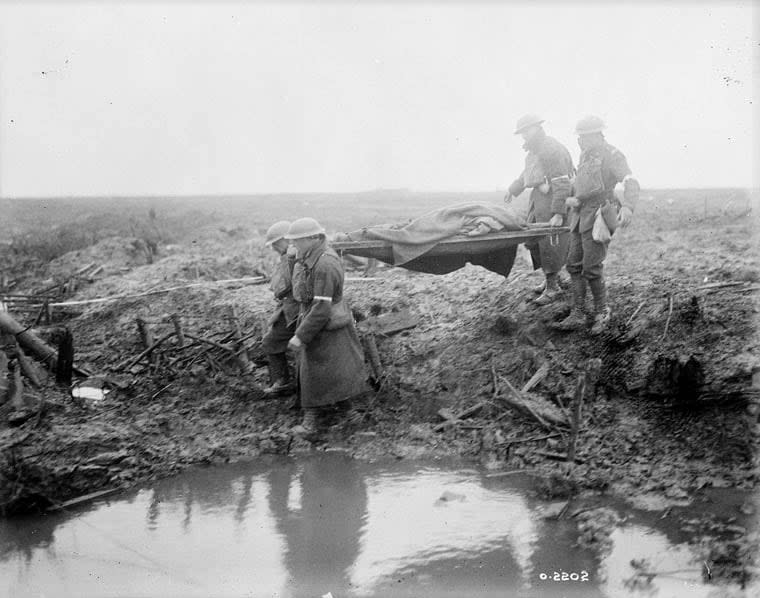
673,411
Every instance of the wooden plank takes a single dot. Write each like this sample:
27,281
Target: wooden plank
390,323
83,499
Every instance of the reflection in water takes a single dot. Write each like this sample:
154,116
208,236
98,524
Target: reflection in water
407,530
321,524
636,542
322,536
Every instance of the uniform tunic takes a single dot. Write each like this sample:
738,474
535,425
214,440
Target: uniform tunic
283,320
599,168
547,161
331,364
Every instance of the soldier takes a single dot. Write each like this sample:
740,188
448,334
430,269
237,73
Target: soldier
601,167
282,324
330,357
548,168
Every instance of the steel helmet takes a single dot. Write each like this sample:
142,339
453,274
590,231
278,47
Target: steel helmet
527,121
304,227
277,231
589,124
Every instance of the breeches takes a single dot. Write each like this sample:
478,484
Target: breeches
276,339
586,256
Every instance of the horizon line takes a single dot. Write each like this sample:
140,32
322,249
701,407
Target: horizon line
259,194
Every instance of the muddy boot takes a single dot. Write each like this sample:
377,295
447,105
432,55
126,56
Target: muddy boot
551,292
601,309
279,376
307,427
576,320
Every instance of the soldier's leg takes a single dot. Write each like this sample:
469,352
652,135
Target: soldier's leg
554,251
593,271
576,320
274,344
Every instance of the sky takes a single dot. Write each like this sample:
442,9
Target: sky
194,98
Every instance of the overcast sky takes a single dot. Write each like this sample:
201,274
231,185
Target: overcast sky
115,98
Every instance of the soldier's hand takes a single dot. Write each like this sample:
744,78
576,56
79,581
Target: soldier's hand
508,198
556,220
295,344
544,188
624,216
572,202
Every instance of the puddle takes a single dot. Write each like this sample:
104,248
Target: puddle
326,523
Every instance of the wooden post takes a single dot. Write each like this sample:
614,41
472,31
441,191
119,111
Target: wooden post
575,423
3,377
146,337
65,364
178,329
17,388
585,382
245,360
373,355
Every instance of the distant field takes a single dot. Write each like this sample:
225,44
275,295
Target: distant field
335,211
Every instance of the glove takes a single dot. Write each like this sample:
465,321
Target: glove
556,220
624,216
572,202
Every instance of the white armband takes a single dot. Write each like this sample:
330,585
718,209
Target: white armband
320,298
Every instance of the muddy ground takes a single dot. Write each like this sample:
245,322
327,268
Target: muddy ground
673,411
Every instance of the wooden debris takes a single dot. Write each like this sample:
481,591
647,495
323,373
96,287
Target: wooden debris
635,312
667,322
454,419
178,330
559,457
28,340
28,367
247,280
390,323
4,387
373,355
133,362
206,341
83,499
237,334
583,386
639,326
540,374
575,423
65,362
501,474
520,403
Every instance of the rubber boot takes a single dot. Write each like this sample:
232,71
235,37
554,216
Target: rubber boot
279,376
308,426
601,309
576,319
551,292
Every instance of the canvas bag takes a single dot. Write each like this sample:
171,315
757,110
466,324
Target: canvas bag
600,233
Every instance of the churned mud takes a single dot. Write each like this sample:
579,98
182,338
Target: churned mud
672,411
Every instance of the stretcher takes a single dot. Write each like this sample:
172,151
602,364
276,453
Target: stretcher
494,251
